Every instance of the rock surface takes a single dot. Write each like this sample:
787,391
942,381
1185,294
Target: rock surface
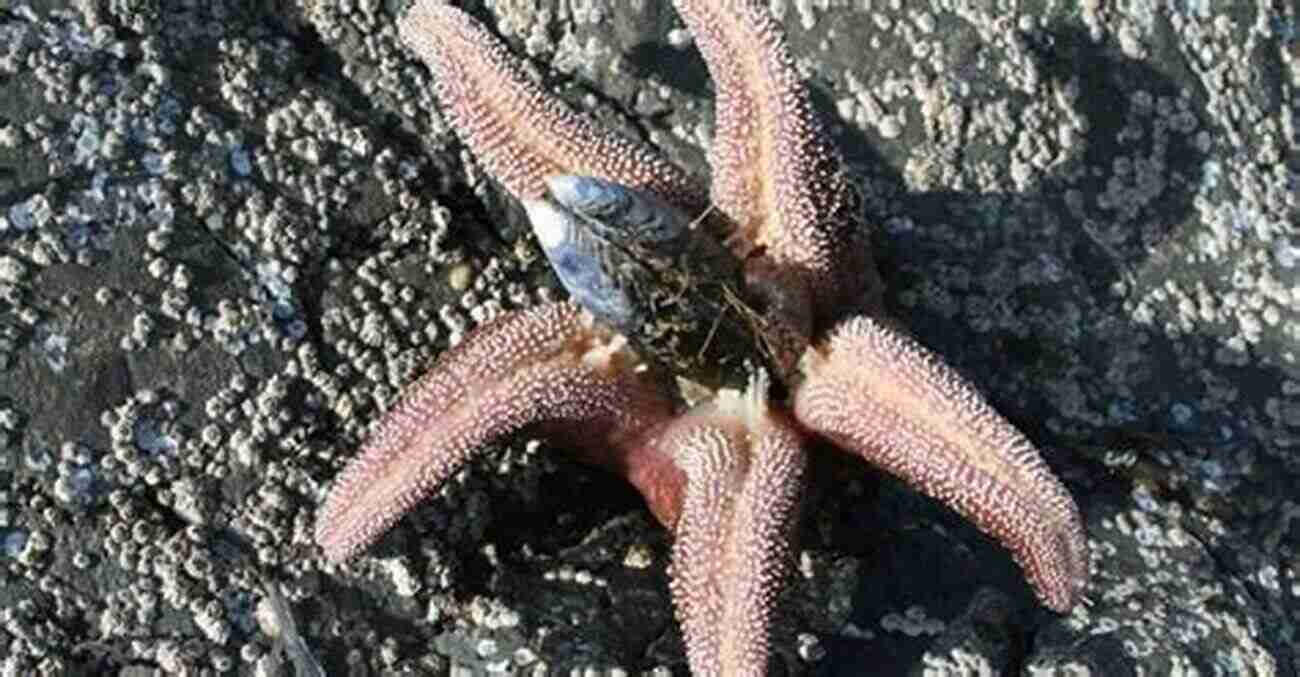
230,232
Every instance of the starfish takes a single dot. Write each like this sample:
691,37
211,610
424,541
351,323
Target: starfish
723,470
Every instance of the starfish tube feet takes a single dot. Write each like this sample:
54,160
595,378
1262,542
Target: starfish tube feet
875,391
786,315
550,366
744,467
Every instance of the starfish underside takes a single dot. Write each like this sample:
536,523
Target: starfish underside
726,475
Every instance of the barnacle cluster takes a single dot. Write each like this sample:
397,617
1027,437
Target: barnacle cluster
229,235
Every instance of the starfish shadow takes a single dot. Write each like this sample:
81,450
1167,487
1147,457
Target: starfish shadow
1100,249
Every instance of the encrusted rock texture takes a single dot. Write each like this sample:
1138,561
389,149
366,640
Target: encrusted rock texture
231,232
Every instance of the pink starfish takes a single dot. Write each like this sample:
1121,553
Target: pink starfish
727,475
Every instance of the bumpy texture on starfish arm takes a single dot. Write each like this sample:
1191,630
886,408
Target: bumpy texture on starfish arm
521,134
775,173
873,390
547,366
744,466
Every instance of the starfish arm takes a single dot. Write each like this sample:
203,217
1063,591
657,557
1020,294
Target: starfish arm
520,133
548,366
875,391
744,467
776,175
